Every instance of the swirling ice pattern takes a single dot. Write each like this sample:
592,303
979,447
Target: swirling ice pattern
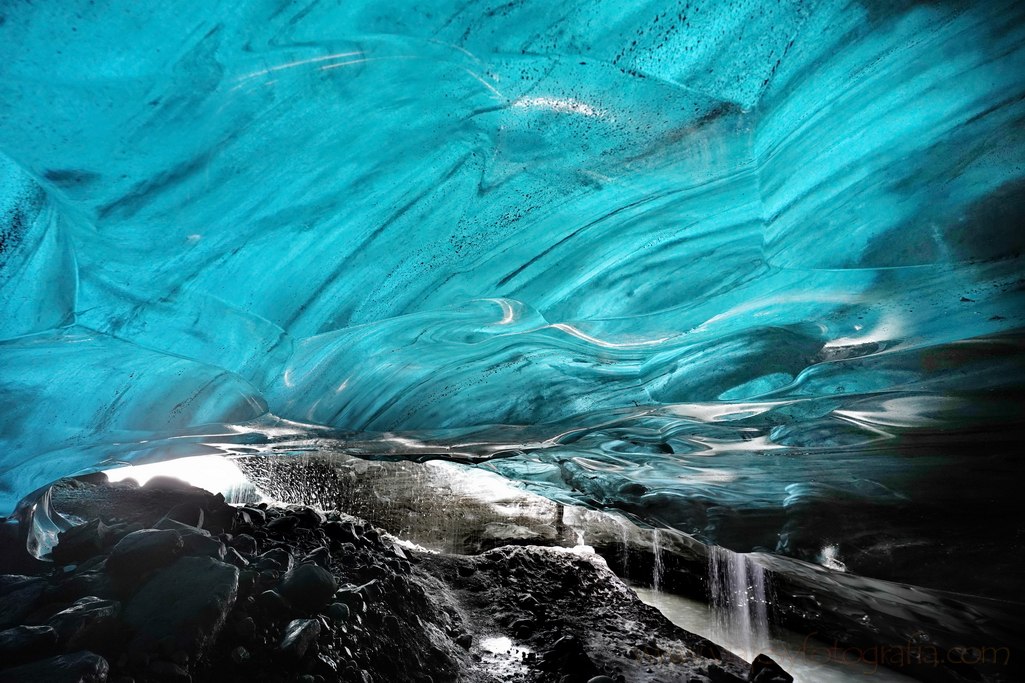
721,265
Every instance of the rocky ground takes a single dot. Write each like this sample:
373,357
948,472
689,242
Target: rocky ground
169,583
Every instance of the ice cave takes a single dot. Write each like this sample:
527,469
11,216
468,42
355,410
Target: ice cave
553,341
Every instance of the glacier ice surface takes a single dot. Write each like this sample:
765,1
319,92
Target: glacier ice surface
750,270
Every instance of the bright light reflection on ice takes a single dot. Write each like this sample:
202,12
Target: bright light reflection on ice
211,472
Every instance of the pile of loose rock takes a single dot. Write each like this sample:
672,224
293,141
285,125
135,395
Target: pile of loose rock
210,591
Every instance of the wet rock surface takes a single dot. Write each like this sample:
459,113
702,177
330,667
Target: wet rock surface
183,607
23,643
143,551
77,667
266,593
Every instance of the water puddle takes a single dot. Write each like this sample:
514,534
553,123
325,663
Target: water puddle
503,659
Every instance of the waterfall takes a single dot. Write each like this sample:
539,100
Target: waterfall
659,568
737,594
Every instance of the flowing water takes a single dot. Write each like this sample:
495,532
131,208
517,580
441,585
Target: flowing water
807,660
738,600
658,570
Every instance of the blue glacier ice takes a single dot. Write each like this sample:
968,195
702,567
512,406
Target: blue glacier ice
726,266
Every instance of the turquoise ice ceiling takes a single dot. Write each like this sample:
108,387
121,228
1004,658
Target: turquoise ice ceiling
639,234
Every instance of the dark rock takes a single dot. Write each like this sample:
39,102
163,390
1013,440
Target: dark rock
709,650
338,612
205,546
246,628
352,597
185,603
232,556
90,623
78,667
9,582
219,515
764,669
464,641
195,541
169,672
309,587
717,674
375,571
23,643
273,603
320,556
299,635
523,628
275,558
81,542
188,513
247,581
94,582
328,668
180,527
309,518
141,552
283,525
18,597
257,515
342,532
240,655
567,655
529,602
244,543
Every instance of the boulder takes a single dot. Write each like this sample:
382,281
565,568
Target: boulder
232,556
77,667
208,546
309,518
277,559
189,513
24,643
308,587
94,582
18,597
244,543
764,669
81,542
299,635
140,552
256,515
320,556
90,623
185,603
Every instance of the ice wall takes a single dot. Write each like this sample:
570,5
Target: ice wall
636,234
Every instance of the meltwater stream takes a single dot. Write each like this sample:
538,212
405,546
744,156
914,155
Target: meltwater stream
807,660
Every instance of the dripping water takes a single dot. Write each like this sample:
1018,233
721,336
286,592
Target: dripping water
737,592
659,568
